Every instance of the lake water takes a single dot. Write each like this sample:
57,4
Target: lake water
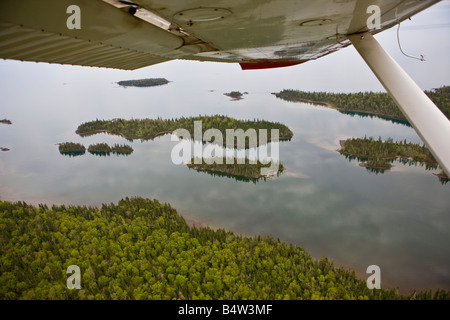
398,220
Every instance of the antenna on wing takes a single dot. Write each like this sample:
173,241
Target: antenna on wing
338,36
399,45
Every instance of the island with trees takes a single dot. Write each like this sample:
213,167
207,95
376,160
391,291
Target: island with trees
72,149
151,82
365,103
142,249
103,149
377,155
235,95
147,129
248,172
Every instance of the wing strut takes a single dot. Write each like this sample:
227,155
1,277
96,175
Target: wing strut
430,123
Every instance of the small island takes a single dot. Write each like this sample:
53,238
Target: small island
77,149
72,149
148,129
247,171
4,149
143,82
235,95
365,103
103,149
5,121
377,155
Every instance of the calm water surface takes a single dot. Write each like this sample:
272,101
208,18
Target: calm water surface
332,207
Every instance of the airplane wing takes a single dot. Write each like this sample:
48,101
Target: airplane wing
131,35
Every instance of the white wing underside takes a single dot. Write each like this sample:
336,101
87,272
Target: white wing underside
257,34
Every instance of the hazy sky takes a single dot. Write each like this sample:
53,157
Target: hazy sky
426,34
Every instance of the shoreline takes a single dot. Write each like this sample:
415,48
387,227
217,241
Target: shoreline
162,133
403,288
94,132
332,106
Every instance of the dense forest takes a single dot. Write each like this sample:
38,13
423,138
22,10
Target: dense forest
241,172
142,249
146,129
143,82
378,155
376,103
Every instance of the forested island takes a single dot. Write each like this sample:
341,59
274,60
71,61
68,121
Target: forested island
368,103
378,155
143,82
102,149
235,95
72,149
143,249
146,129
247,171
105,149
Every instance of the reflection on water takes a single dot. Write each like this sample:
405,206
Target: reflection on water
240,169
236,177
383,165
368,115
398,221
72,153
